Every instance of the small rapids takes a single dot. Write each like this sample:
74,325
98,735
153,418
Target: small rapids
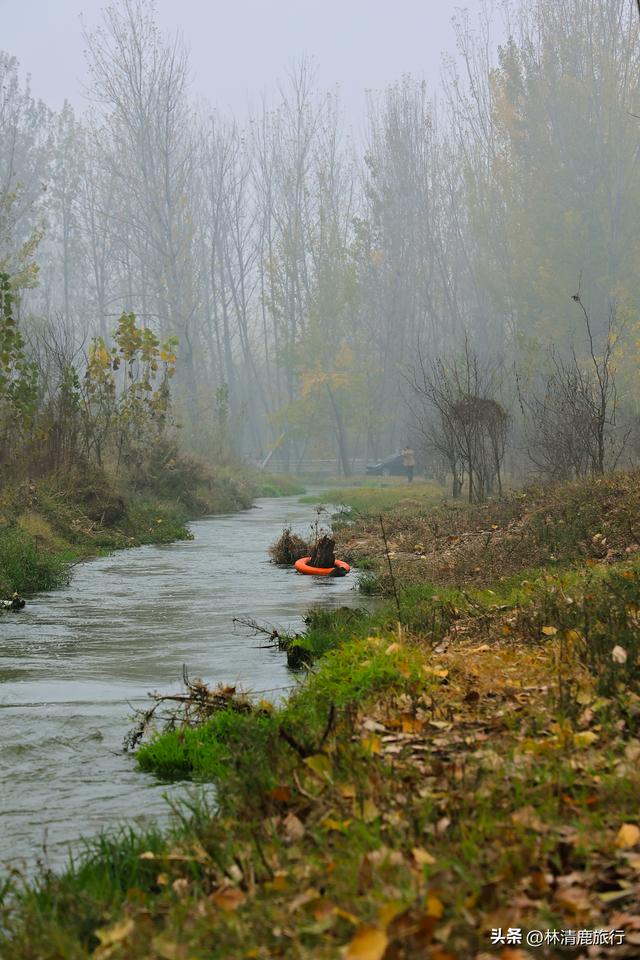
77,661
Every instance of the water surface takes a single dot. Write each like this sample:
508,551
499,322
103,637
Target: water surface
75,662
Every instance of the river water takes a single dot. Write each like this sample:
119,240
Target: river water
75,662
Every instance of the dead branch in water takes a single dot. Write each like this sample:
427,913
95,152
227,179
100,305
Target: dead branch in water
270,632
197,704
281,641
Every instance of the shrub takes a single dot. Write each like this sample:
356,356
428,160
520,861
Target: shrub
288,548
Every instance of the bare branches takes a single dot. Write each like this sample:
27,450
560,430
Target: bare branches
458,414
194,706
571,416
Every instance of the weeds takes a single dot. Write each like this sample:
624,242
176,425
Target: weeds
25,567
471,768
288,548
597,622
451,543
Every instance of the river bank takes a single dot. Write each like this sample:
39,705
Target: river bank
46,526
76,662
461,761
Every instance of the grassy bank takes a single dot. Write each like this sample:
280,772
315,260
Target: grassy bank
38,549
372,495
49,524
461,759
453,543
277,485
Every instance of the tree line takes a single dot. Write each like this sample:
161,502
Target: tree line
331,296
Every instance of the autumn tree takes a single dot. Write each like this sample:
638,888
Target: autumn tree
18,380
126,397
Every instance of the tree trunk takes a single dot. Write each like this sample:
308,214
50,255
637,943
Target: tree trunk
340,434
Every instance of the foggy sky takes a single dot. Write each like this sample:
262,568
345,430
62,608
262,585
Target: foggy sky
239,48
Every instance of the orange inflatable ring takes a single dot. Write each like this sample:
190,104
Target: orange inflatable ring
303,566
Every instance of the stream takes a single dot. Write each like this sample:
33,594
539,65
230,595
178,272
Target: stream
77,661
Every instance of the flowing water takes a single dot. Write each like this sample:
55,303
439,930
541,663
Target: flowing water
75,662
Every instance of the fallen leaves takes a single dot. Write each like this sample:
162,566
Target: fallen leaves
302,899
434,906
442,826
229,899
628,836
422,857
293,827
584,739
368,943
371,743
320,764
168,949
619,654
369,810
463,796
527,817
282,794
411,724
573,899
108,936
339,826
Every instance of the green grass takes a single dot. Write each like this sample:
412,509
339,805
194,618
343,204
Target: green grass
596,615
26,568
244,748
155,522
70,906
246,757
37,551
425,609
206,752
278,485
47,526
514,780
524,769
377,497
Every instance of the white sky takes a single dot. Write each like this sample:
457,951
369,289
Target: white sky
239,48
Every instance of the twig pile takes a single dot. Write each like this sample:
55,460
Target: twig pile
196,705
288,548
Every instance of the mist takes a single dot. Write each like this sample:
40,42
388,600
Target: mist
348,228
319,460
238,52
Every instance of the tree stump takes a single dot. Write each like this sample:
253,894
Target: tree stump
288,548
324,552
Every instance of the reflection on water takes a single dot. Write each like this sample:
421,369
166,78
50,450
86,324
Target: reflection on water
76,661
